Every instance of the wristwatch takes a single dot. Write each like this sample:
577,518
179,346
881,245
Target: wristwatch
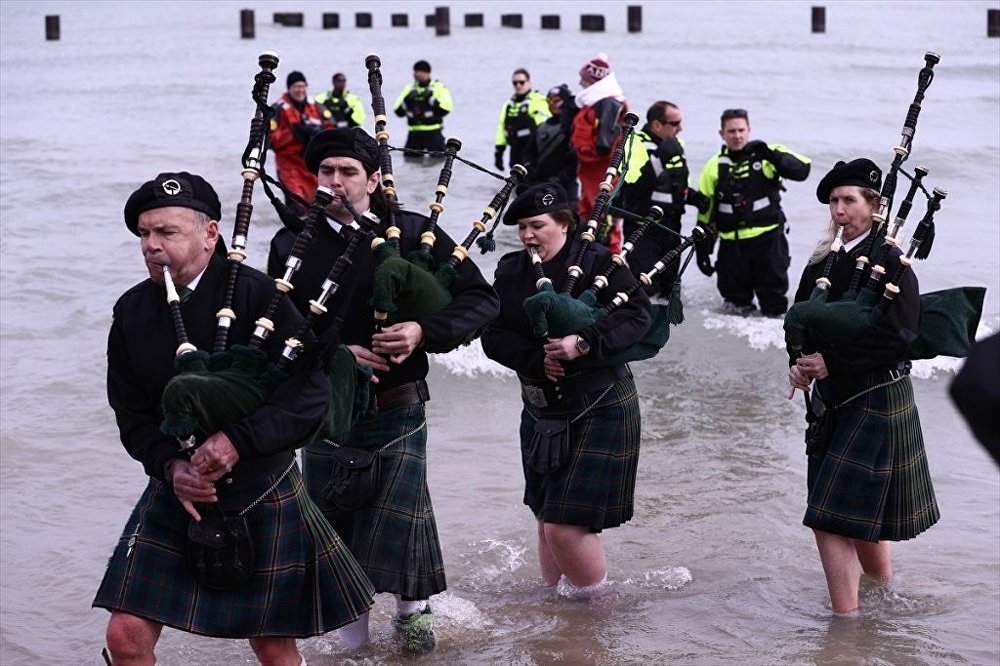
582,346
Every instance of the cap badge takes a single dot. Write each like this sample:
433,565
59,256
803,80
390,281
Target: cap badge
171,187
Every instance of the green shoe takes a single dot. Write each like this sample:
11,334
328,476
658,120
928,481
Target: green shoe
417,632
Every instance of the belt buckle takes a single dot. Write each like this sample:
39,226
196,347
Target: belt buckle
535,395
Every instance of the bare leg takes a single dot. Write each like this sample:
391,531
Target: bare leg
550,570
876,558
276,651
578,552
840,564
131,639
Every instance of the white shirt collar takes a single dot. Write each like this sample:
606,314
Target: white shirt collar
851,244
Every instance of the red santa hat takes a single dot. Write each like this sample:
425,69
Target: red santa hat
595,70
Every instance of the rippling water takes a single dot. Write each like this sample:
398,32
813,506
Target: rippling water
715,567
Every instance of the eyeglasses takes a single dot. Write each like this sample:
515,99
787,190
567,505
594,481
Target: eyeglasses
672,123
734,113
519,82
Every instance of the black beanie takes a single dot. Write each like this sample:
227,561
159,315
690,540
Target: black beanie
294,77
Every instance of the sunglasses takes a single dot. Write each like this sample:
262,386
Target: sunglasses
519,82
734,113
672,123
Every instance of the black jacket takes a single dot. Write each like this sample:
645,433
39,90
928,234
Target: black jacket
141,349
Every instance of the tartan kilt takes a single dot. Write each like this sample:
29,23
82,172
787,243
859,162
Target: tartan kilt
305,581
596,487
874,482
395,537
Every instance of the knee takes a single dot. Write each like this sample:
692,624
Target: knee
562,537
130,638
276,651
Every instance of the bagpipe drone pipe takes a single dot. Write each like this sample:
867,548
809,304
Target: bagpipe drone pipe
213,389
557,314
949,317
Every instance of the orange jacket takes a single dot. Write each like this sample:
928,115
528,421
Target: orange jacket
287,142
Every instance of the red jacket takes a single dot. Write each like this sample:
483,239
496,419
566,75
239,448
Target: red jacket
595,134
290,132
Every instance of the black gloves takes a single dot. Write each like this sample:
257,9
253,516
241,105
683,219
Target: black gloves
498,157
760,150
703,252
698,200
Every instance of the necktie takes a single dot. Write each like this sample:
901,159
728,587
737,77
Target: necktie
184,293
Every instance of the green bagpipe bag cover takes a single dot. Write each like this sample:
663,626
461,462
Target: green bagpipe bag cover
949,322
210,392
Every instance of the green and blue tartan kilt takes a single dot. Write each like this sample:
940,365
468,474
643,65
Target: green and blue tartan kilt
874,483
305,581
596,487
395,538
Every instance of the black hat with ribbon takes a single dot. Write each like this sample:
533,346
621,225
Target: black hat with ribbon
183,189
861,172
537,200
343,142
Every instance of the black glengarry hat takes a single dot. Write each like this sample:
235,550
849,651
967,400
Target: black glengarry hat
343,142
861,172
536,200
183,189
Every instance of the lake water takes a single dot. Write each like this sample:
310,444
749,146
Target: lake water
715,567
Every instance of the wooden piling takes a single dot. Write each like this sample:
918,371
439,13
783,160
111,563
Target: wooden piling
819,19
550,21
511,21
993,22
331,21
592,22
635,18
473,20
400,20
289,19
52,28
247,25
363,20
442,21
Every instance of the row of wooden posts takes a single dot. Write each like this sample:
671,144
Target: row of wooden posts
440,20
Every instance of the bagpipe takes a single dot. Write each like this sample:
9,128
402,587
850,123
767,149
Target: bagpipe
212,390
949,317
557,314
416,285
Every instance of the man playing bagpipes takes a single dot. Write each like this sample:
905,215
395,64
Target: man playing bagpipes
394,534
292,576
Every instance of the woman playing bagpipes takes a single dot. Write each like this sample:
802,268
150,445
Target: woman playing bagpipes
868,480
292,576
394,535
580,424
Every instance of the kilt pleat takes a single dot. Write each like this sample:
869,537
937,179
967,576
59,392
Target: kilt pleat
305,581
596,488
874,483
395,537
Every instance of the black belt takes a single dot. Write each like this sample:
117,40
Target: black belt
569,392
404,395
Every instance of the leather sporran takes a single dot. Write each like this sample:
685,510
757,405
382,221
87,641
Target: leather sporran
220,551
821,421
354,481
550,445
